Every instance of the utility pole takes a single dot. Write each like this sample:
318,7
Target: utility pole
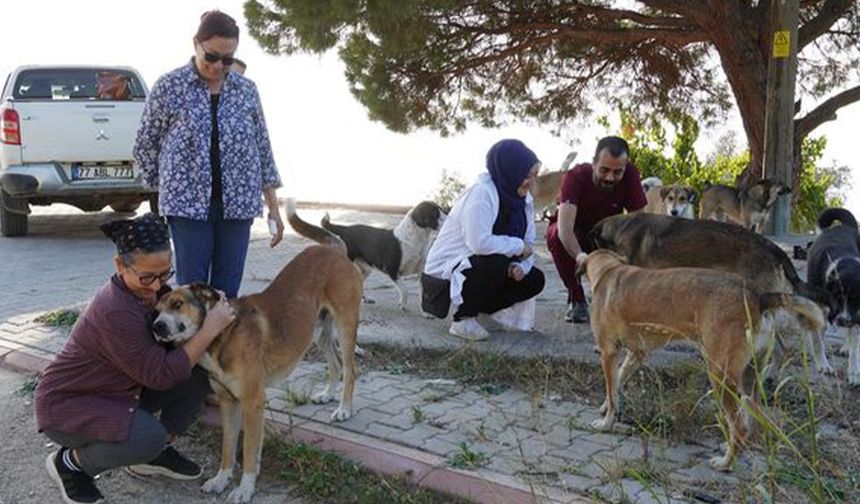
779,116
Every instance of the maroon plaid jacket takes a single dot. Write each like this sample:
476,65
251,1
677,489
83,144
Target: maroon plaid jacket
93,386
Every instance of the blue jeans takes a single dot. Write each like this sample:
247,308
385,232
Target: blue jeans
212,252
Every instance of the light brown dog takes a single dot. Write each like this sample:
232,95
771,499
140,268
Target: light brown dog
675,200
749,204
546,188
320,288
641,310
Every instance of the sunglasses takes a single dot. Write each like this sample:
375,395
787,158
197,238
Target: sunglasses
150,278
215,57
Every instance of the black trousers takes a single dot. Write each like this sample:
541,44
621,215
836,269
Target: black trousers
488,289
179,407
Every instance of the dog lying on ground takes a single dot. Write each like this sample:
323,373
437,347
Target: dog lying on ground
546,188
398,252
834,264
712,308
659,241
749,204
675,200
319,290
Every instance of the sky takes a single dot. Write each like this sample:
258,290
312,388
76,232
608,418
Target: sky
325,146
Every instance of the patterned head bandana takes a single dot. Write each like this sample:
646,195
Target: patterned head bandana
147,233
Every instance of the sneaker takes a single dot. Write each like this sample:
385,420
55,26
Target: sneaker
469,329
75,486
577,313
170,463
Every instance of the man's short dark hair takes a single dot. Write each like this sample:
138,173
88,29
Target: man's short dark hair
616,146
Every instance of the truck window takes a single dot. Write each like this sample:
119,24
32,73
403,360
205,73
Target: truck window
89,84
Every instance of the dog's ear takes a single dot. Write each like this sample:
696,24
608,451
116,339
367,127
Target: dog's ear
205,294
758,190
691,194
664,191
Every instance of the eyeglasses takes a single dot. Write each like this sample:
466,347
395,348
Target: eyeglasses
212,57
150,278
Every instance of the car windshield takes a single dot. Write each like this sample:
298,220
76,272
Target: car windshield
96,84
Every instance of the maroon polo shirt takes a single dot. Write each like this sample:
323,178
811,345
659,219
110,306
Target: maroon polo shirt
93,386
593,203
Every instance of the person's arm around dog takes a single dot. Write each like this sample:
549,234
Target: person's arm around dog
217,319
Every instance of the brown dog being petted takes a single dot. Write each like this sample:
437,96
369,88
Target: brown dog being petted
642,309
316,292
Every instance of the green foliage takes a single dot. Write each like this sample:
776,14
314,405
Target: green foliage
673,159
466,458
58,318
450,186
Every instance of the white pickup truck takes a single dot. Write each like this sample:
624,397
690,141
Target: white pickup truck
66,137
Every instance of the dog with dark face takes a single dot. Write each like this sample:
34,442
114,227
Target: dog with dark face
660,241
314,294
712,308
749,204
399,252
834,264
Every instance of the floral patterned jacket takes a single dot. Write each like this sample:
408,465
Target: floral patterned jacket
172,146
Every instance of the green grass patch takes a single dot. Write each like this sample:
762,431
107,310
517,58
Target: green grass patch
466,458
58,318
28,387
326,478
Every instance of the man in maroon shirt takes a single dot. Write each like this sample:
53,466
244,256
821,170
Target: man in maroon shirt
99,398
590,192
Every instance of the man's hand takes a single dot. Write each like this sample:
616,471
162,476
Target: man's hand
279,234
515,272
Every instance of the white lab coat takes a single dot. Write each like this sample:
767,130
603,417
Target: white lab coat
468,231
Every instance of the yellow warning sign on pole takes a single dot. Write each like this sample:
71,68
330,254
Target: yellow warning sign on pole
781,44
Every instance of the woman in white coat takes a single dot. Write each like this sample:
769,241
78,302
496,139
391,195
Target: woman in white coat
482,260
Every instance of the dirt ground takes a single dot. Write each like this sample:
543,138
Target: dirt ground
24,480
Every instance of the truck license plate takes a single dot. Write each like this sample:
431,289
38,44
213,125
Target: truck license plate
101,172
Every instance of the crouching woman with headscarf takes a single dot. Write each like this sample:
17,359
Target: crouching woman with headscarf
482,260
114,397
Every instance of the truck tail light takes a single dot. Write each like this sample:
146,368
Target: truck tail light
10,127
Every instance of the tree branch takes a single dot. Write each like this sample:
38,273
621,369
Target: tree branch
830,12
824,112
638,17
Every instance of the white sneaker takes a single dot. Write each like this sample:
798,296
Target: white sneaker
469,329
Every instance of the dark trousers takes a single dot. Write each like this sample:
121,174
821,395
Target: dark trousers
178,408
212,252
565,264
487,288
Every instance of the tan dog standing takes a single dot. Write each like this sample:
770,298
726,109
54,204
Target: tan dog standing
319,290
642,310
546,187
749,204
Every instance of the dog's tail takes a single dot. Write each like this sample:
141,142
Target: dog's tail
807,312
830,215
308,230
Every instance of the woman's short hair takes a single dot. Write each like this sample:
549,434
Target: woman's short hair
215,23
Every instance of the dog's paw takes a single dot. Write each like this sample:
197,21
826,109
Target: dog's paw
341,413
218,483
722,463
844,350
243,492
322,397
603,425
603,407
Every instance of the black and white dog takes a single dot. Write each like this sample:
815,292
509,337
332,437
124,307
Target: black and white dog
398,252
834,264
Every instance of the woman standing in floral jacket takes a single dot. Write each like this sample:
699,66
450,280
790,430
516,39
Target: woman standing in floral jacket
203,144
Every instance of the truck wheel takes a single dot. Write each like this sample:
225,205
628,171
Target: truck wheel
124,207
11,224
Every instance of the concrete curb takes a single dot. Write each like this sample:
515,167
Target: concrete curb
417,467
